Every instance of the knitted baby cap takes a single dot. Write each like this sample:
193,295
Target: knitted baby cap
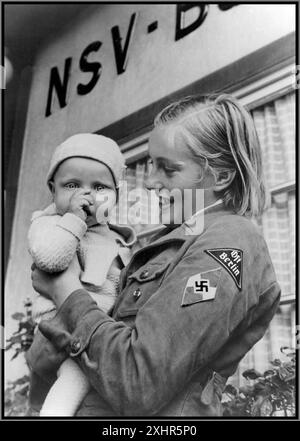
92,146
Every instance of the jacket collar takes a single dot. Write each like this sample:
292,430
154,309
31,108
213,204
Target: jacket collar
188,229
181,234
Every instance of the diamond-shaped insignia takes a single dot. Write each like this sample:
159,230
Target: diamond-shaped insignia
201,287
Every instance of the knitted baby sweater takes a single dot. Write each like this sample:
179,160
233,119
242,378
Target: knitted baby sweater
54,239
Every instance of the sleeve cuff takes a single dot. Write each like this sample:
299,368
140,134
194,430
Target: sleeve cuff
81,316
72,223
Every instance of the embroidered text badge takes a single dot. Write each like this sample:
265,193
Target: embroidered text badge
232,261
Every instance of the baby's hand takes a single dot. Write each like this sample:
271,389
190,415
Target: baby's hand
80,202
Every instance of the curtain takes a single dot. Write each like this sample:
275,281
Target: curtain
275,125
278,228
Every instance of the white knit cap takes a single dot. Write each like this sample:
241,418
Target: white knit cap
89,145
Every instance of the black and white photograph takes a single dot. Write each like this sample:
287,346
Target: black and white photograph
149,213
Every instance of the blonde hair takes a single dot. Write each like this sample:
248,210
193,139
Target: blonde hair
220,134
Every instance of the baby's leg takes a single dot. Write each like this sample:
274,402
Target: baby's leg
67,393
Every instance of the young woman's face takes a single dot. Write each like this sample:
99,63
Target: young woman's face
174,170
81,173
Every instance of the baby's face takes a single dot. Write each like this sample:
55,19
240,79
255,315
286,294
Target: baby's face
81,173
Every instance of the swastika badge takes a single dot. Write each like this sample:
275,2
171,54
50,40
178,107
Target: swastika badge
201,287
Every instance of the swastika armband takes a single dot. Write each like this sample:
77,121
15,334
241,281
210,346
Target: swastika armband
201,287
232,260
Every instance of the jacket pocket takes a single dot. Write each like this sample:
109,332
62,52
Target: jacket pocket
141,285
150,271
127,312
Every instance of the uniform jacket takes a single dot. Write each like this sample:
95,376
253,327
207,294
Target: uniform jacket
190,307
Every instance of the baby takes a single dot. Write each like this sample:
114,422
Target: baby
83,178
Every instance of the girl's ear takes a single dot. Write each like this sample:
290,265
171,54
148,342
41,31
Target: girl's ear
224,179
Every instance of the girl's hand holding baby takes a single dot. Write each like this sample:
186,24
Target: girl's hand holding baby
80,203
57,286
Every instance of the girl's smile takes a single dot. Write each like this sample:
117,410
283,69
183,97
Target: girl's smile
173,170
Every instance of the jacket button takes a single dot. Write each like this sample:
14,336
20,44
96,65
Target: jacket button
75,346
144,274
137,293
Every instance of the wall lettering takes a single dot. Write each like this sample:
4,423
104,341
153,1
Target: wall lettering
182,30
121,53
58,84
87,66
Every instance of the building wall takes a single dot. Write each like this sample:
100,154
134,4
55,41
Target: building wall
157,66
